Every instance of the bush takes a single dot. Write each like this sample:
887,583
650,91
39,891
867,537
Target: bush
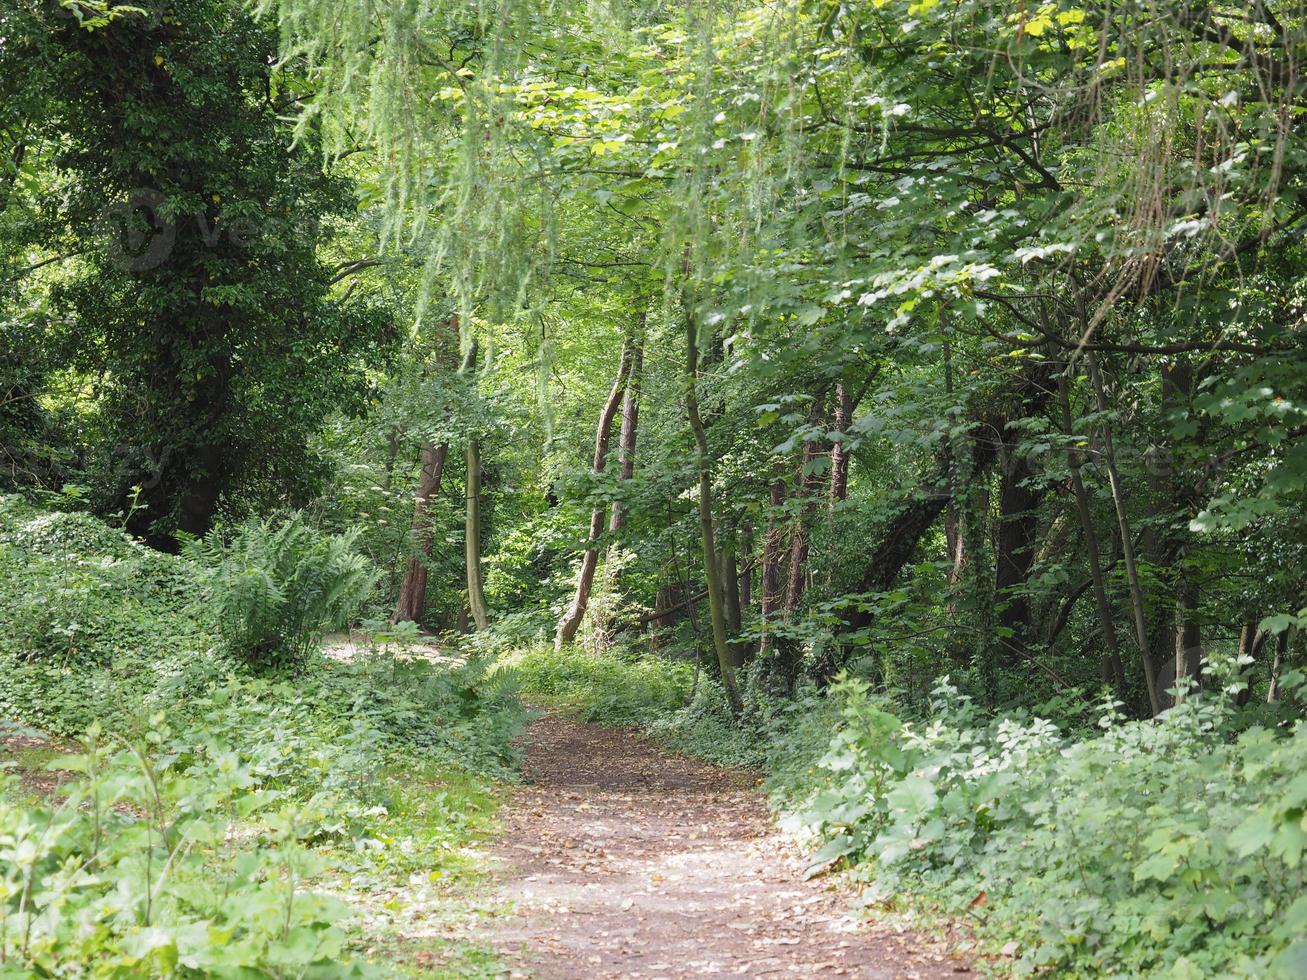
1173,846
277,588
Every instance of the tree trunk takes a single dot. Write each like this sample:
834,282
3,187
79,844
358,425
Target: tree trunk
413,590
839,454
476,593
746,576
1188,633
571,621
771,559
1251,641
1113,668
712,570
800,540
630,418
1127,543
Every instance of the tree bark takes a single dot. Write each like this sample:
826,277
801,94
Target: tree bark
839,454
571,621
712,570
413,590
476,593
626,439
1188,633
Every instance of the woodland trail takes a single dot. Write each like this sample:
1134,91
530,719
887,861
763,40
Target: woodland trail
624,861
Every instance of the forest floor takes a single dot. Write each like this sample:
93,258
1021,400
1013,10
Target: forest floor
624,861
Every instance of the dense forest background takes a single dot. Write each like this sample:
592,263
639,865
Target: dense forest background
761,374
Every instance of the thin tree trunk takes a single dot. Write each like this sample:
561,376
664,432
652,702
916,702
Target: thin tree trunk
413,590
476,593
1114,669
571,621
630,418
1127,543
746,575
771,559
1251,641
1277,662
712,570
839,454
800,542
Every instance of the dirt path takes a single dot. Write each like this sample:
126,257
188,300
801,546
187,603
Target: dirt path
625,861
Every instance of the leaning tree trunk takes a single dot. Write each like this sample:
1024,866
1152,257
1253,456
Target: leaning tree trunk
571,621
413,590
712,570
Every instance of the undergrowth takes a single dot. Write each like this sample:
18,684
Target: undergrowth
213,816
1130,848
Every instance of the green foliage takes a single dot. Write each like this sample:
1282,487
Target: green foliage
276,587
200,298
1096,856
219,823
613,688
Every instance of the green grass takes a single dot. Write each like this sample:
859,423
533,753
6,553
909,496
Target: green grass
614,689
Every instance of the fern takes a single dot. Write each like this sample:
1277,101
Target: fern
275,588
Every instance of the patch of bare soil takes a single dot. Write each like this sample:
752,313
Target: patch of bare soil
625,861
28,755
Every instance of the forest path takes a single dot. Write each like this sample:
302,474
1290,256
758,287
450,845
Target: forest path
623,860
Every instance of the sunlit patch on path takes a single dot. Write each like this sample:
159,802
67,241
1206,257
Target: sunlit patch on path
625,861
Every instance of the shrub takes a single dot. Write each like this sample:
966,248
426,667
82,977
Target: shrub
1173,846
277,588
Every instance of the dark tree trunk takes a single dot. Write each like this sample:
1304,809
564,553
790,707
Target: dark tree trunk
413,590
